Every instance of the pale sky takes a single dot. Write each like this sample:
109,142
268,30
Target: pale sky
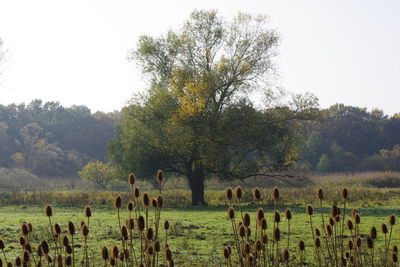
74,51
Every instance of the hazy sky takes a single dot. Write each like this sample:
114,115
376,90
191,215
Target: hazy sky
75,51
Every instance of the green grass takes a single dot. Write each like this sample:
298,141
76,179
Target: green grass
198,233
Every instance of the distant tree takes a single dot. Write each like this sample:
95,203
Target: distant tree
98,172
323,163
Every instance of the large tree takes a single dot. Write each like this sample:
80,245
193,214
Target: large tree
197,119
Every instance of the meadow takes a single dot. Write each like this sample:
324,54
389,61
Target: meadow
198,235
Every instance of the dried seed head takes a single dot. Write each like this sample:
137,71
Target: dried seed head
154,202
157,246
229,194
350,225
115,251
373,233
238,193
335,210
302,245
166,225
358,242
242,231
277,217
45,247
317,232
260,214
168,254
68,249
357,219
118,202
40,250
18,261
354,212
345,193
88,211
263,224
49,259
48,211
395,257
331,221
65,240
26,256
392,220
150,250
256,194
277,234
22,241
265,238
71,228
130,206
2,245
226,253
131,179
337,218
246,248
160,201
317,242
171,263
344,261
130,224
146,199
231,213
248,231
350,244
124,233
370,243
68,261
121,256
57,228
160,176
28,247
149,234
140,223
113,262
395,249
384,228
275,193
246,220
329,229
285,255
310,210
258,245
85,230
320,194
136,192
24,229
30,227
288,214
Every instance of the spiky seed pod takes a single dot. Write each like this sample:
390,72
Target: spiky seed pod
28,247
131,179
68,249
157,246
154,202
141,223
275,193
59,261
248,231
25,256
288,214
2,244
81,225
113,262
357,219
247,248
277,234
263,224
395,258
302,245
260,214
126,254
265,238
373,233
258,245
351,259
331,221
160,176
18,261
22,241
71,228
118,202
160,201
345,193
104,253
320,194
130,206
231,213
317,232
168,254
384,228
246,220
358,242
88,211
344,261
49,259
310,210
242,231
238,193
350,225
115,251
392,220
65,240
85,230
130,223
350,244
48,211
395,249
225,252
317,242
124,233
370,243
229,194
166,225
40,250
146,199
121,256
354,212
171,263
285,255
257,194
329,229
337,218
334,211
347,255
149,234
277,217
57,229
24,229
68,261
30,227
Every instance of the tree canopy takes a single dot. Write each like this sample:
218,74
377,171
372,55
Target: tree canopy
197,118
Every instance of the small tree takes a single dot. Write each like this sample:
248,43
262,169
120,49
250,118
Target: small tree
98,172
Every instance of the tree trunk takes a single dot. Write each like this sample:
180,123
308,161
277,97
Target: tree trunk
196,182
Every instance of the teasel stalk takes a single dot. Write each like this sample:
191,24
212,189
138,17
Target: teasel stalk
49,214
141,227
385,232
231,217
85,233
238,197
275,197
288,215
71,231
146,204
345,195
392,222
131,226
2,246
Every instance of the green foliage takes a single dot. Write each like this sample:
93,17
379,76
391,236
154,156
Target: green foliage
324,163
98,172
